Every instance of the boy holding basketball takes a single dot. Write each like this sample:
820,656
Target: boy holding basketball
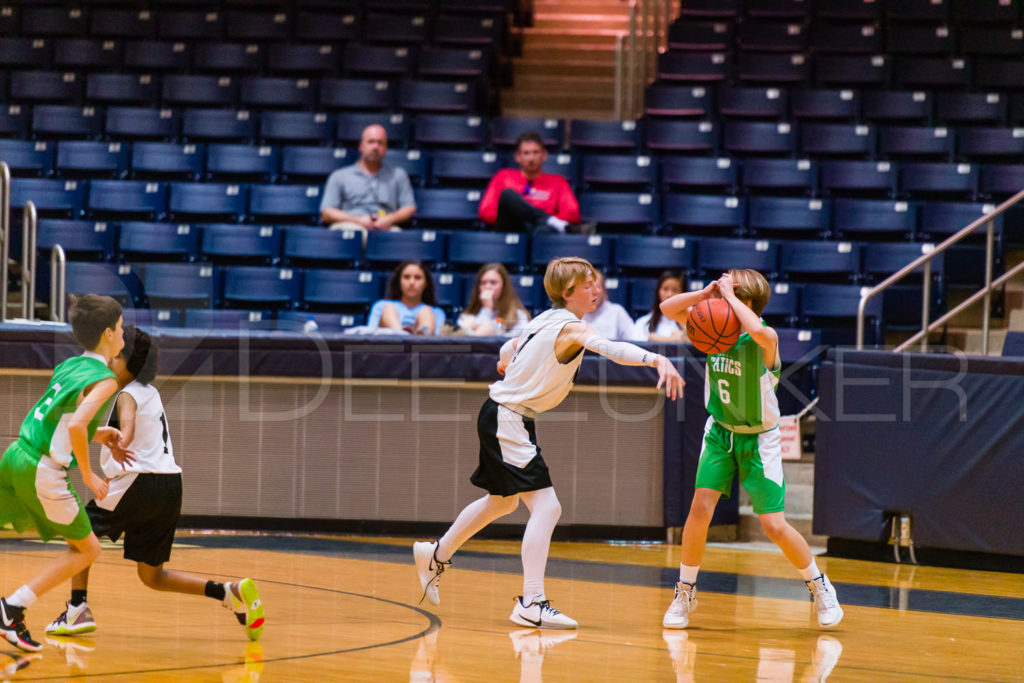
742,435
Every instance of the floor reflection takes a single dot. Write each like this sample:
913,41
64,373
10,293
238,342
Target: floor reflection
774,664
530,645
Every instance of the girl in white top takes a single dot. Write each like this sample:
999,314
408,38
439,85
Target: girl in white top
539,369
494,308
654,326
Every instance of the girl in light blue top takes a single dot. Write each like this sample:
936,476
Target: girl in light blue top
409,304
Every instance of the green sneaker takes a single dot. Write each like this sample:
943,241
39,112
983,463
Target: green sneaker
243,598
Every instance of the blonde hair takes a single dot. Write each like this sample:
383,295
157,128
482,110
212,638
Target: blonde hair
564,274
751,286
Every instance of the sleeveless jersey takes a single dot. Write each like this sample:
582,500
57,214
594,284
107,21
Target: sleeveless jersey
739,390
45,429
153,451
534,380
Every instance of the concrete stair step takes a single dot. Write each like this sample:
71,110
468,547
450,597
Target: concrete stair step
527,110
543,69
590,22
567,38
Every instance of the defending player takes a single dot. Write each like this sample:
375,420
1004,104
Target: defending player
34,486
742,434
144,500
539,369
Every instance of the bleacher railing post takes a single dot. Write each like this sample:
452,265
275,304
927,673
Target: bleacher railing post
28,261
5,233
620,90
58,283
986,313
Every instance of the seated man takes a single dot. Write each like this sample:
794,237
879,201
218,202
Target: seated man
369,194
528,200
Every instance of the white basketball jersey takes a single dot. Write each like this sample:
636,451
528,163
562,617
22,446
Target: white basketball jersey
534,380
154,452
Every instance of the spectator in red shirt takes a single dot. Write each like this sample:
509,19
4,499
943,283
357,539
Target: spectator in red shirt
528,200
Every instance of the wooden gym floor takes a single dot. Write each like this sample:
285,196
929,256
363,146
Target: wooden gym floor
346,609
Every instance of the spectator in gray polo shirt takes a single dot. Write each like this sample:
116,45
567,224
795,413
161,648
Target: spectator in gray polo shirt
369,194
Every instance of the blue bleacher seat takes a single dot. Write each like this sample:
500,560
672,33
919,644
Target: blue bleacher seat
505,131
999,181
860,71
327,323
859,178
310,246
777,9
930,180
463,168
28,157
873,219
227,58
341,290
81,240
302,60
759,68
989,144
832,140
693,67
617,290
898,106
180,285
619,172
313,164
218,125
972,108
385,249
447,208
120,88
122,23
801,352
285,203
677,101
207,200
530,290
914,38
396,27
157,317
52,198
781,175
66,121
190,25
752,103
187,90
920,143
621,210
361,61
996,41
932,72
166,160
717,255
329,26
595,248
247,25
277,93
141,123
433,130
143,241
641,295
296,127
789,217
759,138
242,163
687,137
127,198
53,21
25,53
940,219
228,320
153,55
1000,12
704,214
350,126
814,261
646,254
250,244
882,259
465,30
437,96
118,281
833,308
469,249
87,158
449,291
85,55
453,62
825,104
850,38
783,308
700,36
45,86
924,11
699,174
608,136
9,21
722,9
365,94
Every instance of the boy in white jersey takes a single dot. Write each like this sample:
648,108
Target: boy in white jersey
144,499
539,368
742,435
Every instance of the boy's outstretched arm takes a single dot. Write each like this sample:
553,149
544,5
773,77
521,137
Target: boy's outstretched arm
78,431
677,307
765,337
625,353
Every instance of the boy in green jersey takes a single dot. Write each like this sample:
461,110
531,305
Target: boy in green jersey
742,436
34,486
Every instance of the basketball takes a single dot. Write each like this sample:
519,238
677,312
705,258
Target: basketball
712,326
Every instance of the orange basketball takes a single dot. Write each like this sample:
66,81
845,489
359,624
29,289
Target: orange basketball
712,326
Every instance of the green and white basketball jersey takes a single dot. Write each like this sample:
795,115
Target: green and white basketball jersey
45,429
739,390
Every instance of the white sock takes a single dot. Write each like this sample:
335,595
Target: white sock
688,574
533,591
557,223
472,519
810,571
23,597
544,513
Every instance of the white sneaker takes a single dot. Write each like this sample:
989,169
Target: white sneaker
73,621
826,655
429,569
539,614
684,602
825,601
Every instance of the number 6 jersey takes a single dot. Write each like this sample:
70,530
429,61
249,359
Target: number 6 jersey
739,391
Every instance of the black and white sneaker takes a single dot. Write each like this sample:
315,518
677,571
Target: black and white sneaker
429,570
12,626
539,614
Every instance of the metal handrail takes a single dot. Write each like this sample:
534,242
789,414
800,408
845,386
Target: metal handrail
29,230
58,283
5,233
925,260
636,54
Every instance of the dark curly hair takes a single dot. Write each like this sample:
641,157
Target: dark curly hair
141,355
